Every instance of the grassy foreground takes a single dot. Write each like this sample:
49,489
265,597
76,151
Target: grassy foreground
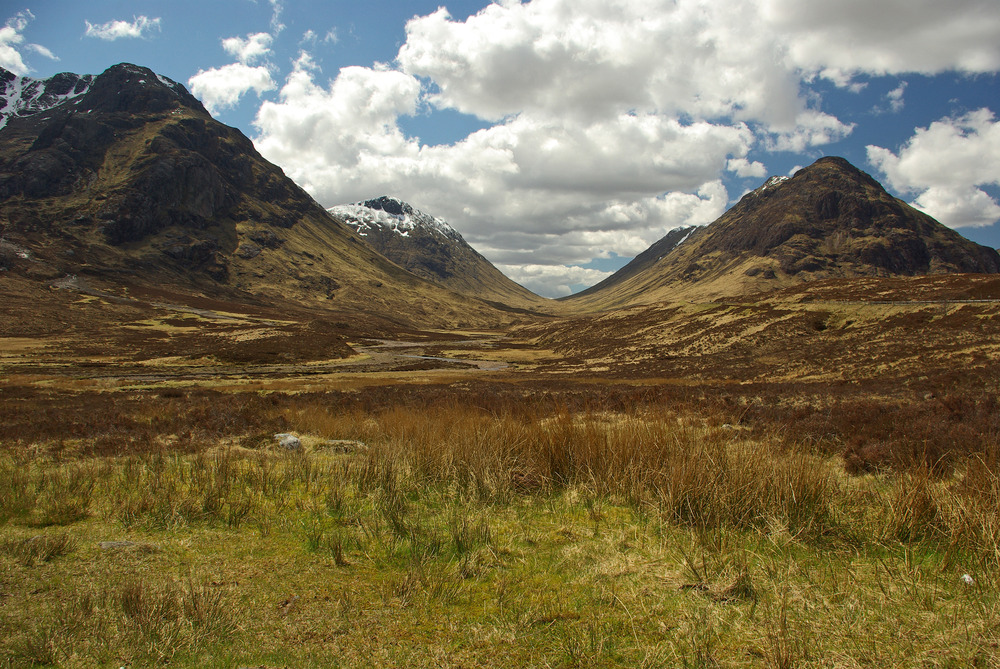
452,537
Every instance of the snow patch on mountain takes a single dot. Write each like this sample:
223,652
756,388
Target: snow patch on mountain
24,96
686,236
773,182
169,83
389,213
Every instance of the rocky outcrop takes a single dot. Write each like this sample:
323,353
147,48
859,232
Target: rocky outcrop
832,213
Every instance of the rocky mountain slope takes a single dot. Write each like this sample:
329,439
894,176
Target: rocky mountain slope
830,220
124,178
432,249
641,262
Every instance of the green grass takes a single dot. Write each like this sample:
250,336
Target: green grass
461,538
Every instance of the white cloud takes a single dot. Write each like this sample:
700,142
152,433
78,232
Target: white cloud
811,128
590,58
840,38
946,164
895,97
340,127
140,26
744,169
959,207
276,8
41,51
311,37
10,37
20,20
552,280
535,184
223,87
246,51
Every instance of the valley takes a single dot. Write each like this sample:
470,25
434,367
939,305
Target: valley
238,429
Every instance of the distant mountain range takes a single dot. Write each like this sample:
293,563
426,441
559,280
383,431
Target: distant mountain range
125,178
432,249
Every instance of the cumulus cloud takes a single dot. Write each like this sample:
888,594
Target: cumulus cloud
946,165
837,39
140,26
343,141
811,128
744,169
334,130
222,87
247,50
590,58
10,37
552,280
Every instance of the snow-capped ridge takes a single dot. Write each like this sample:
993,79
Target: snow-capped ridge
390,213
24,96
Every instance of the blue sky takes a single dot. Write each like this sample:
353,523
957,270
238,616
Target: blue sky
562,137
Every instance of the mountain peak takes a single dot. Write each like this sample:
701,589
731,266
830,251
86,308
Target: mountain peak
121,88
135,89
392,215
389,204
430,248
831,215
829,220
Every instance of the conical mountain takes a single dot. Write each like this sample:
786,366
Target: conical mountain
830,220
124,177
432,249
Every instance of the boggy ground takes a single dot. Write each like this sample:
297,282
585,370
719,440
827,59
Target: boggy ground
808,479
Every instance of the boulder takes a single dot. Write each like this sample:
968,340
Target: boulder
288,441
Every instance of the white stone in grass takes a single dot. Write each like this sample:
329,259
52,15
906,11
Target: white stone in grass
968,580
289,441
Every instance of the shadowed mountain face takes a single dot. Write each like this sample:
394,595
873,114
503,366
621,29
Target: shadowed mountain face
830,220
430,248
124,176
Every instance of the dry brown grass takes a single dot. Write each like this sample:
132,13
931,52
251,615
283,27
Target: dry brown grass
493,531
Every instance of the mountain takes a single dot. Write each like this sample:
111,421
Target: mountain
641,262
830,220
125,178
430,248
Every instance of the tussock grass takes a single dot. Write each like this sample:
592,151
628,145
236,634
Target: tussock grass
497,536
37,548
